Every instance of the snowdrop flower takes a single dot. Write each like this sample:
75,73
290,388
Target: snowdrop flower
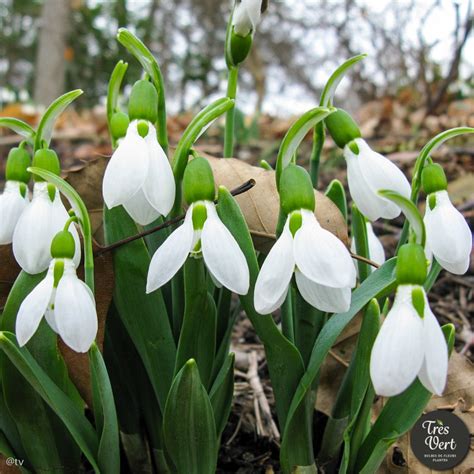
246,16
321,263
448,236
376,250
36,228
410,342
367,171
201,234
13,202
66,302
15,197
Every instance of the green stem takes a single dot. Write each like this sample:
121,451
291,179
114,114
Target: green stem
318,143
230,116
287,327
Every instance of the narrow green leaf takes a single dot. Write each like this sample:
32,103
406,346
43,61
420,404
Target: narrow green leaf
336,193
336,77
397,417
379,283
67,411
5,447
284,361
150,330
359,235
188,425
411,212
46,124
108,456
18,126
198,333
295,136
222,393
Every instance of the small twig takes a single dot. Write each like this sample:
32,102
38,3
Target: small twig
365,260
103,249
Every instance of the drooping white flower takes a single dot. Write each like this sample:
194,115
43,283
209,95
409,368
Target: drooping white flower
369,172
448,236
13,202
222,255
376,250
408,346
139,177
246,16
322,265
67,303
36,227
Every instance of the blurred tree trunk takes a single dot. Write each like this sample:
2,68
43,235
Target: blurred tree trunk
50,61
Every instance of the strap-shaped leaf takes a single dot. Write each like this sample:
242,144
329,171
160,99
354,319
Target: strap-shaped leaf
221,394
411,213
398,416
46,124
151,331
188,425
295,136
336,193
108,456
359,235
379,283
18,126
67,411
336,77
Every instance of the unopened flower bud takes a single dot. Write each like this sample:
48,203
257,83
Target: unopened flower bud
342,127
119,124
17,164
143,102
63,245
48,160
296,190
411,265
198,181
433,178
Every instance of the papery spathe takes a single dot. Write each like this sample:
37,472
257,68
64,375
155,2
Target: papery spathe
408,346
41,220
448,236
69,308
139,177
369,172
322,265
222,254
13,202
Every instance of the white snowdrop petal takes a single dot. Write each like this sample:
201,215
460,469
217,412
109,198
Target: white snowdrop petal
222,254
253,8
376,250
448,234
275,275
32,310
321,256
241,21
126,170
12,204
324,298
34,231
159,186
434,371
398,352
171,255
75,313
140,210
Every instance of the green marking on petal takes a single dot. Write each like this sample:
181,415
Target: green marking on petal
296,221
432,201
58,271
199,216
418,300
51,191
142,128
23,188
353,147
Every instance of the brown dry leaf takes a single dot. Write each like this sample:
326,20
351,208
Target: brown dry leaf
462,189
5,468
459,397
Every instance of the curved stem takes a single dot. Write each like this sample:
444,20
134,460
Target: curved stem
232,82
